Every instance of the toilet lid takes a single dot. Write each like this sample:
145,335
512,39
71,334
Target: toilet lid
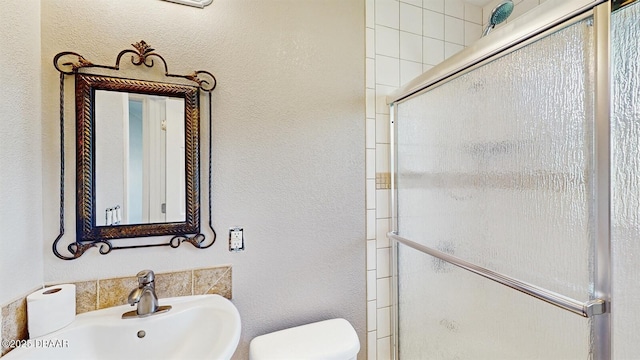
333,339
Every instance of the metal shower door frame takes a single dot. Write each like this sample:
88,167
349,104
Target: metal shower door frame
517,34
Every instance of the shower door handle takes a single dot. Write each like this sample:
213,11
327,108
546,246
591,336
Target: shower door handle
585,309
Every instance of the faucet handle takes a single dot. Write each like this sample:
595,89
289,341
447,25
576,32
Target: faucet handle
145,277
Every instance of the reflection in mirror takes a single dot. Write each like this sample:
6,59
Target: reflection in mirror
139,158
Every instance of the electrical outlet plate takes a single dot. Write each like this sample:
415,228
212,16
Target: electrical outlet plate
236,239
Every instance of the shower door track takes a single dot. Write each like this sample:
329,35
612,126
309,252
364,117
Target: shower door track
531,27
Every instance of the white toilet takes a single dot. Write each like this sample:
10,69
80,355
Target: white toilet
333,339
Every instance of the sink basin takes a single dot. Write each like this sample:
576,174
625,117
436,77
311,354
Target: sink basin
196,327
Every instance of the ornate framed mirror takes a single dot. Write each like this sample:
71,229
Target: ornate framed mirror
137,155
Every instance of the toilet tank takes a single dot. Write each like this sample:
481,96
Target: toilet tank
333,339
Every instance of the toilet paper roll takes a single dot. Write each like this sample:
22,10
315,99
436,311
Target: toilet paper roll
51,309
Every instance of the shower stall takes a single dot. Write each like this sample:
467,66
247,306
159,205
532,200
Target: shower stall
516,192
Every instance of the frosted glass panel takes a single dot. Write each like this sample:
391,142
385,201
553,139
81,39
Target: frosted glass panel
496,165
449,313
625,144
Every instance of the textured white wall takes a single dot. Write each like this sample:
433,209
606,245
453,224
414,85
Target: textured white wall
20,150
288,146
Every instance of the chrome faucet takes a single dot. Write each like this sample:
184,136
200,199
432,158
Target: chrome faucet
145,294
145,297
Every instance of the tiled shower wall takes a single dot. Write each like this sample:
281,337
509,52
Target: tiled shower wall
404,38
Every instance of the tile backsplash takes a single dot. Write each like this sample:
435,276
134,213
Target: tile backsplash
14,322
103,293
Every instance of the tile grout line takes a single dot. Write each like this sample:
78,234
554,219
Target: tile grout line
97,294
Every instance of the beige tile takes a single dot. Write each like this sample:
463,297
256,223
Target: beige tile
86,296
173,284
204,279
113,292
213,281
383,180
14,322
223,286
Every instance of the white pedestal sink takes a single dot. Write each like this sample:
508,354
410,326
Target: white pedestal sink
196,327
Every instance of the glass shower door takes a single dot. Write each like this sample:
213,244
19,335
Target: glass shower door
497,167
625,145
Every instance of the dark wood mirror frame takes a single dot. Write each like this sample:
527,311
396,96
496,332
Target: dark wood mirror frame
86,229
89,235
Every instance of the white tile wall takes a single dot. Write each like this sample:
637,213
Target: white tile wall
384,348
369,10
371,285
382,135
450,49
410,47
371,195
370,158
410,18
473,13
454,8
382,155
387,41
453,30
404,38
384,322
371,225
372,312
370,51
370,68
381,98
383,293
472,32
383,264
382,203
387,71
388,13
432,51
370,128
371,100
371,255
435,5
409,70
413,2
522,7
372,345
433,25
382,229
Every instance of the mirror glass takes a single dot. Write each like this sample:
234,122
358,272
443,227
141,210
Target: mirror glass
139,158
138,171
